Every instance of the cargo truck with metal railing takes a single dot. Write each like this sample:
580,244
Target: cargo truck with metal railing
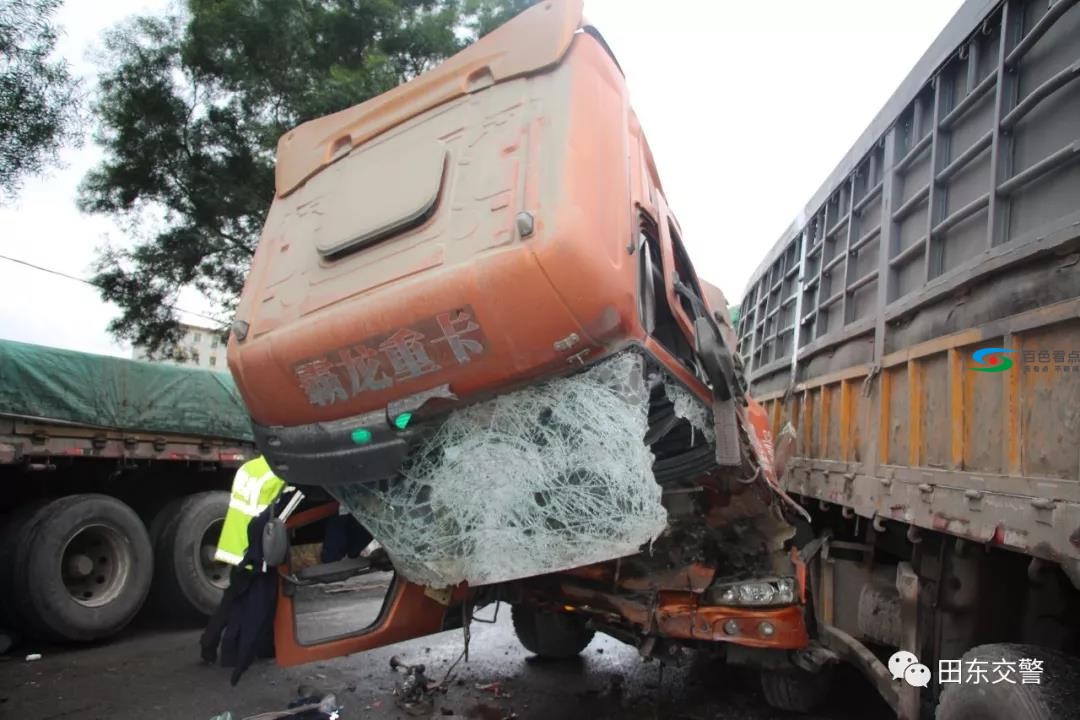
919,327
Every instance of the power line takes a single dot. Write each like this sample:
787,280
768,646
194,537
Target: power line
94,284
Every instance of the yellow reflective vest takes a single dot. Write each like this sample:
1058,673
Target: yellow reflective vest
253,489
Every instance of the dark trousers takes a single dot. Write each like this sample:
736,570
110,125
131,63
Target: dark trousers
239,582
343,536
211,636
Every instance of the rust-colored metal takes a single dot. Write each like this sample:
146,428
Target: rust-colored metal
40,439
679,615
776,411
807,421
796,412
314,320
823,421
932,347
407,614
312,515
801,573
1011,406
695,577
915,418
676,368
682,616
884,401
846,426
957,431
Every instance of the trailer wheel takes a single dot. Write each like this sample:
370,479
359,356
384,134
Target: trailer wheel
1053,696
11,529
85,564
555,636
188,581
794,689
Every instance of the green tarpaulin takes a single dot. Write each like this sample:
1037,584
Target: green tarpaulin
109,392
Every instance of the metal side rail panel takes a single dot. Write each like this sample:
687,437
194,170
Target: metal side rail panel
920,324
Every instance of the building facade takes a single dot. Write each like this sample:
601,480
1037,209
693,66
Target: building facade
198,347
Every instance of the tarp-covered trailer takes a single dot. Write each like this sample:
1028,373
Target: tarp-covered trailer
114,476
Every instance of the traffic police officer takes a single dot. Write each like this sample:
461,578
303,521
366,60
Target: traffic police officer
254,489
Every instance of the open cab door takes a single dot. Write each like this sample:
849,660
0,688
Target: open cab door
333,609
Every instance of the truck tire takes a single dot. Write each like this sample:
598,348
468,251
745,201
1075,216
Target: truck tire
794,689
1053,697
11,529
84,564
554,636
188,582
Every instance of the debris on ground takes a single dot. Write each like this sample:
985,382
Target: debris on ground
309,704
495,688
33,656
414,693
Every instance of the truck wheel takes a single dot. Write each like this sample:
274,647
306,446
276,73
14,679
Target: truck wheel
11,529
556,636
1053,697
85,564
187,580
795,689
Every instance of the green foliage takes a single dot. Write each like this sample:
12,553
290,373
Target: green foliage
191,108
38,101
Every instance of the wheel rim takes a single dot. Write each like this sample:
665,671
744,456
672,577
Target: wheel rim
95,565
213,572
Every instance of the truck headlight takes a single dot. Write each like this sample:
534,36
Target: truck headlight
778,591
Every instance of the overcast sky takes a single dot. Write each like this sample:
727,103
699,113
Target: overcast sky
747,106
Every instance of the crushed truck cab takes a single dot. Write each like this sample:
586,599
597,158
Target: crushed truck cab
472,320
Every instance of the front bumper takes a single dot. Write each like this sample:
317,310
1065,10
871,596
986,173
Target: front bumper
366,448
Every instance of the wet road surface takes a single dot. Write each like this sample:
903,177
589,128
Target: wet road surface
150,673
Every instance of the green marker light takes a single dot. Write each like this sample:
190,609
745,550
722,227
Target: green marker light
402,420
361,436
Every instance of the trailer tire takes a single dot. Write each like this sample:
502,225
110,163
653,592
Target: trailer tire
794,689
85,565
551,635
1052,697
188,582
12,526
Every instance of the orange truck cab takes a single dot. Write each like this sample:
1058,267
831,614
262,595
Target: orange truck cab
472,249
